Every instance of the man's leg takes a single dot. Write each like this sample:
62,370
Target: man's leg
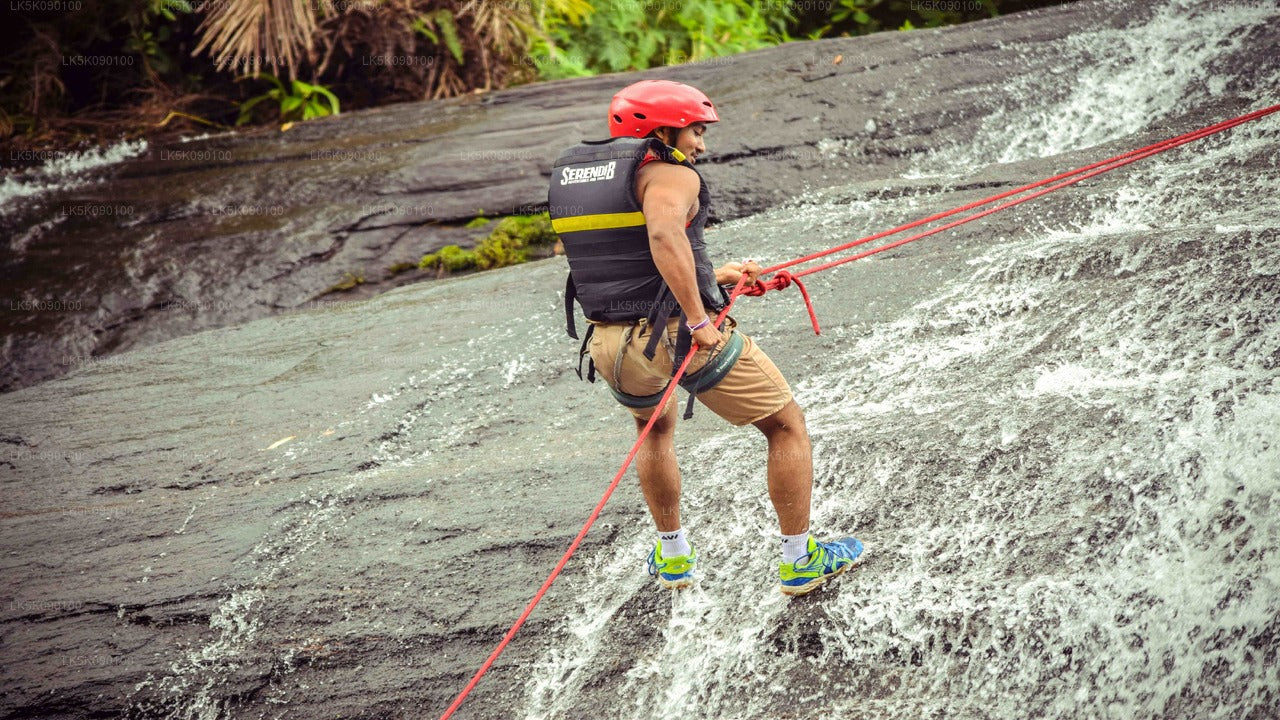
790,467
672,560
659,472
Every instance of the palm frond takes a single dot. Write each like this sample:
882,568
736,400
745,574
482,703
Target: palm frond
500,27
252,35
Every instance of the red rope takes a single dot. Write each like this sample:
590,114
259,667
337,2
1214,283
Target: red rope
782,279
613,485
1160,146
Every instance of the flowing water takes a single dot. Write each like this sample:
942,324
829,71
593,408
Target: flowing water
1066,463
1102,85
64,170
1055,429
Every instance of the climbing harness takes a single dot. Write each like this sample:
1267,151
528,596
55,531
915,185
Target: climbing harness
699,381
782,279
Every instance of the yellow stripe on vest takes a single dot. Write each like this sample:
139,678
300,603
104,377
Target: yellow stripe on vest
603,221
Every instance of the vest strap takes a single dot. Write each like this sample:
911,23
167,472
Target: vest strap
584,352
571,292
663,307
684,342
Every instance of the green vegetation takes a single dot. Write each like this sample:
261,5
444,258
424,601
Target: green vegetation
582,40
510,243
449,258
442,20
112,68
511,240
151,32
862,17
301,101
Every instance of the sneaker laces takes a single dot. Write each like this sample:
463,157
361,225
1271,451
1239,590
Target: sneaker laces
807,558
820,555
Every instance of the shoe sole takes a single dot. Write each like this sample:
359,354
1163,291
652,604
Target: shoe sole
814,584
680,584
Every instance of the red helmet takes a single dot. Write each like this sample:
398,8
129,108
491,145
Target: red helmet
642,107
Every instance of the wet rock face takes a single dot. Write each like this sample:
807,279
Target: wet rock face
337,511
215,232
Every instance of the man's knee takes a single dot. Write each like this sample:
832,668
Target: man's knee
787,421
664,425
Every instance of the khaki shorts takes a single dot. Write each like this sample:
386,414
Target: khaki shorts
752,390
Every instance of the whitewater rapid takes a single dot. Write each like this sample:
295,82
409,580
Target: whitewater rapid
1065,463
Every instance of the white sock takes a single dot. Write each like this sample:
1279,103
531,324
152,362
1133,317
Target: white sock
674,543
795,547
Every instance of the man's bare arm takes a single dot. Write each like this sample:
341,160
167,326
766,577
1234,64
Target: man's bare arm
670,193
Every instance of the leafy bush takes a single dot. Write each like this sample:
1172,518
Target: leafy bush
583,39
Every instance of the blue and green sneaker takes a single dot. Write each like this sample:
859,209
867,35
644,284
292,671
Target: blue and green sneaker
824,561
674,573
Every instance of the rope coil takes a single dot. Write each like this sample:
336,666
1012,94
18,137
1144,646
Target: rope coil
782,280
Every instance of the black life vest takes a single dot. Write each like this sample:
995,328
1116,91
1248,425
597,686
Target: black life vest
593,209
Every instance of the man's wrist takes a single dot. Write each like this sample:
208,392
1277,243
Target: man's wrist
706,320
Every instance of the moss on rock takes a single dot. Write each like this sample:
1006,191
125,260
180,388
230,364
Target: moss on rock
509,243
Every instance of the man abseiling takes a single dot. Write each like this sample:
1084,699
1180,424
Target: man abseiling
630,211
